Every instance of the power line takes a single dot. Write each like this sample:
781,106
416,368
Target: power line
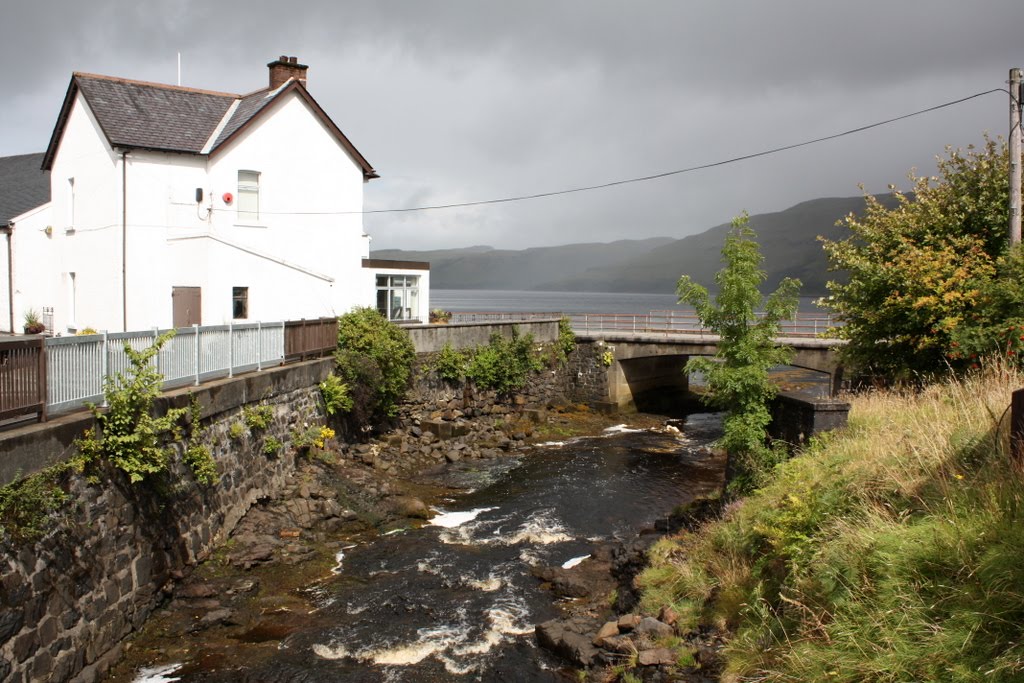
655,176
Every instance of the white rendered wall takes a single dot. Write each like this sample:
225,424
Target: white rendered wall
310,194
301,259
86,236
36,285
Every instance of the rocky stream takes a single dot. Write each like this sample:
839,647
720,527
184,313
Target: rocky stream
503,552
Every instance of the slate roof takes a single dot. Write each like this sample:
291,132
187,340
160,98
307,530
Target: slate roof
150,116
167,118
23,185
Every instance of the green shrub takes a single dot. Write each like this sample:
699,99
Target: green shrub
505,363
450,364
258,417
272,446
335,395
127,435
566,343
26,504
374,358
197,455
236,431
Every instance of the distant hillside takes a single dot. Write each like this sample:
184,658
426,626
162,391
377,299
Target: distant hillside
487,268
788,241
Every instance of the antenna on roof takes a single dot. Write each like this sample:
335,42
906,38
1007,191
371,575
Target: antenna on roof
179,68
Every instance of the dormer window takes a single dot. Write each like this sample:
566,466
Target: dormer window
248,196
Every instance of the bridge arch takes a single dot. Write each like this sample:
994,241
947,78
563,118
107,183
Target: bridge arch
646,362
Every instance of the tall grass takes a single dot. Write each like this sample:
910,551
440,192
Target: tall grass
891,551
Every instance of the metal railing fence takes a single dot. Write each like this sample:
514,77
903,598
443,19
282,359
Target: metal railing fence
79,365
665,322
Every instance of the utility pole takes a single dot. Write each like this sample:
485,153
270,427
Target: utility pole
1015,104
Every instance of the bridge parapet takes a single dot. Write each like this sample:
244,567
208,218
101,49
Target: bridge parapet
629,348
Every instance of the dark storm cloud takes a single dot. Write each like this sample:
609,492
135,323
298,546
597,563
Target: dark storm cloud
462,101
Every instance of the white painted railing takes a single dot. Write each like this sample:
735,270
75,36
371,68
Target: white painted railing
77,366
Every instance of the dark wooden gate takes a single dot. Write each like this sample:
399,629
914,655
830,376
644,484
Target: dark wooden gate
187,306
23,378
310,338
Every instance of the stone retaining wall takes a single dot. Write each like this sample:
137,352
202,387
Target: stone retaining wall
68,601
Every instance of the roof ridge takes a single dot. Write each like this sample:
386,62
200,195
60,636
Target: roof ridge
256,92
150,84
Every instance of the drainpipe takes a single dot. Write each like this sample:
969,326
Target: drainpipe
9,231
124,239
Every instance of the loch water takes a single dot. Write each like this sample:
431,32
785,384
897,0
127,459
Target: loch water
454,600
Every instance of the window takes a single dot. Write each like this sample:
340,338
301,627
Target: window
70,225
398,296
239,303
248,196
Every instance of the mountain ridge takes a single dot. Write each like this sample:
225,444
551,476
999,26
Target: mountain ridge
788,238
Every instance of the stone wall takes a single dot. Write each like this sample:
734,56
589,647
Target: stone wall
431,338
68,600
796,418
586,378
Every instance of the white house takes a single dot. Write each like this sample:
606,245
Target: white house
171,206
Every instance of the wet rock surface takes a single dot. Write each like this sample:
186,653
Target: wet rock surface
601,635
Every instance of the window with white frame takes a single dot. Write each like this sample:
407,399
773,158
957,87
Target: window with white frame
248,196
398,296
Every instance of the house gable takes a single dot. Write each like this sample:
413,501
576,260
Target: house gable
255,105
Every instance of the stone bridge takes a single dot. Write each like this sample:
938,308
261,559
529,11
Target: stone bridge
648,361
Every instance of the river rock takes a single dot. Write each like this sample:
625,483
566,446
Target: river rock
197,591
408,506
564,582
668,615
627,622
655,657
652,628
249,557
609,630
620,644
566,639
218,616
453,456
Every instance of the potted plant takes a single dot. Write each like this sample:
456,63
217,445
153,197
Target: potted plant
33,325
439,316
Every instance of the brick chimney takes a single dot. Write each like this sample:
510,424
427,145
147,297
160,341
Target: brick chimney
283,68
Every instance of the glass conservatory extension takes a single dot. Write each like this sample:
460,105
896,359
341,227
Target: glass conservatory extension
398,296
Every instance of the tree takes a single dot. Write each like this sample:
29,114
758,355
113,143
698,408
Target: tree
747,324
921,275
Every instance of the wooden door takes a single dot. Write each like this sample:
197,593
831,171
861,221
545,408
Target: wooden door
187,306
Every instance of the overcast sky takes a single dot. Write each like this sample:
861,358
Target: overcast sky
455,101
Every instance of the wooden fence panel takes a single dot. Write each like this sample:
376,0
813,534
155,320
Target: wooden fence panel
310,338
23,378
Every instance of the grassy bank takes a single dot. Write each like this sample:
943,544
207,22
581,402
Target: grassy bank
892,551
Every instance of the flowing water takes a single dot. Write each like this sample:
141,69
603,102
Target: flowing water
454,600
